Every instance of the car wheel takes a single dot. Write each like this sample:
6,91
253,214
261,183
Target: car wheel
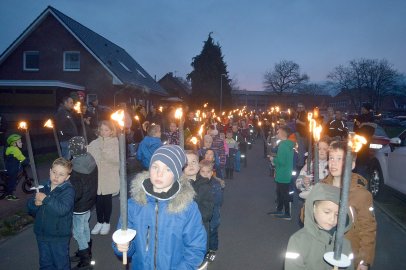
376,180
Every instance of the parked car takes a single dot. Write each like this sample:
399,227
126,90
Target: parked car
379,140
388,167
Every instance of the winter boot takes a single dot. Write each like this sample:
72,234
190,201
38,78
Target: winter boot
89,244
85,259
75,258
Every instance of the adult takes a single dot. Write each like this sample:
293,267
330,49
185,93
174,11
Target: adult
66,125
337,127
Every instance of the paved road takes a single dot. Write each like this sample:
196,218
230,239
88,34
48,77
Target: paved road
249,239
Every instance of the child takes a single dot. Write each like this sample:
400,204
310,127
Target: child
303,182
14,160
308,245
363,234
148,145
84,181
283,166
232,151
204,197
211,156
105,151
172,136
53,211
217,189
170,234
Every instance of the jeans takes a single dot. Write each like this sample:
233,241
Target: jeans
213,232
237,161
53,255
65,150
81,230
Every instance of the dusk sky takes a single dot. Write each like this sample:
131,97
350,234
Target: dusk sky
164,35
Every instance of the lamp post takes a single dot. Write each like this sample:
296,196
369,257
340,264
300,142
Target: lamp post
221,91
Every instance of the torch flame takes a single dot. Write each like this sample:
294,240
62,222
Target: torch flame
118,116
137,118
309,116
49,124
22,125
316,132
205,105
161,108
178,113
273,124
77,107
259,123
312,125
289,111
201,130
193,140
218,118
356,142
277,109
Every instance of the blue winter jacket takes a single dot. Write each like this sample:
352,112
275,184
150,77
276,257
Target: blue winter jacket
146,148
53,219
176,223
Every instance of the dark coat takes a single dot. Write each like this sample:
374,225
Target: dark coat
66,124
204,197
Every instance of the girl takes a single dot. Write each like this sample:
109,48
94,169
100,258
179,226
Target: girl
105,151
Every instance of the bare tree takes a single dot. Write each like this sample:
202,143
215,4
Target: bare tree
285,77
372,78
312,89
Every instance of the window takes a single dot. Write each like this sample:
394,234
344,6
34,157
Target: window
71,61
31,61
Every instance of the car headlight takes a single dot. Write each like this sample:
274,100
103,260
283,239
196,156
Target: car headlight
375,146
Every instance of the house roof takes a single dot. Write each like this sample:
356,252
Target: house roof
123,68
175,85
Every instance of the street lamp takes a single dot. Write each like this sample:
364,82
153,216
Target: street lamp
221,92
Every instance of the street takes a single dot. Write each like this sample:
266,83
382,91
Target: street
249,238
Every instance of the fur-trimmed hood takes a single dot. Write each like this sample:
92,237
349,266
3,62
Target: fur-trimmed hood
177,203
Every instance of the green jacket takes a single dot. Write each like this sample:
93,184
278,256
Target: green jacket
308,245
284,162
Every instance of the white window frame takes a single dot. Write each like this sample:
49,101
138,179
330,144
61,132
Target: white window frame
64,61
25,62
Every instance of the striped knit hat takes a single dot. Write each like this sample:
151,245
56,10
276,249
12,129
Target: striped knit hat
172,156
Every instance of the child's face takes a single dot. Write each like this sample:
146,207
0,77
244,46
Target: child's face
207,143
105,131
162,178
325,214
323,150
335,162
281,134
209,155
172,127
19,143
58,174
192,167
206,172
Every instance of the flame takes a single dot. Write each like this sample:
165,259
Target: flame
77,107
316,113
204,115
136,117
201,130
272,109
289,111
49,124
205,105
316,132
277,109
161,109
193,140
218,118
356,142
212,110
312,125
223,113
23,125
178,113
118,116
273,124
259,123
197,113
309,116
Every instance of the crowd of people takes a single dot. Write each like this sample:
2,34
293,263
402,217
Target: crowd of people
177,195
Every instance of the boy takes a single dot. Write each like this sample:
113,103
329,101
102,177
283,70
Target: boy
84,181
148,145
232,151
217,189
170,234
308,245
172,136
363,234
283,163
204,197
14,160
53,211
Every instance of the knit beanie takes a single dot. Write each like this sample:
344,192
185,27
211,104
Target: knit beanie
172,156
77,146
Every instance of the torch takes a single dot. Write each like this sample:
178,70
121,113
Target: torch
137,119
23,126
309,151
49,124
178,115
336,257
79,111
194,141
124,235
316,135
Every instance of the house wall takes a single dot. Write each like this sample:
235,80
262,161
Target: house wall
51,39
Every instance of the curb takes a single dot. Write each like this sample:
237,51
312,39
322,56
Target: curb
396,220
